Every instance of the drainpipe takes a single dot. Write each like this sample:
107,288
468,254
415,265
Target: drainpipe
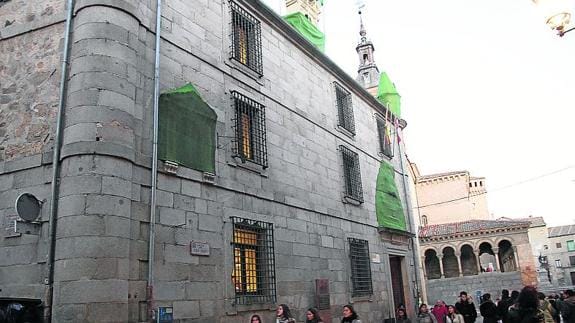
414,246
151,242
48,309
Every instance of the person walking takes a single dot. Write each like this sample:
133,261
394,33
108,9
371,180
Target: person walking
453,316
349,315
312,316
401,316
503,305
567,306
526,310
255,319
283,314
488,309
424,316
546,307
439,311
466,308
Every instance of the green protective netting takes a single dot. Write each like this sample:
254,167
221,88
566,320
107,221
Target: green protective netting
302,24
388,207
387,94
187,128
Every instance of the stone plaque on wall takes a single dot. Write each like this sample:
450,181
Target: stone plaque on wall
199,248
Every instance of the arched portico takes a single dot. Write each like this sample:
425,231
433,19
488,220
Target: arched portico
432,265
468,261
450,263
507,256
487,259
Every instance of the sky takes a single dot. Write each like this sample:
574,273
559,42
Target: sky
486,87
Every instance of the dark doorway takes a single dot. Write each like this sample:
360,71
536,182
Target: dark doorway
573,278
395,265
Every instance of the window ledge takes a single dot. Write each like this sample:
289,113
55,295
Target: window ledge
235,309
346,132
234,64
384,155
351,200
248,165
367,298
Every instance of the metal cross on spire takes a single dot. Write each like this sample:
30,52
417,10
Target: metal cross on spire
360,4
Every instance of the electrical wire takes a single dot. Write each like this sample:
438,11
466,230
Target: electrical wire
500,188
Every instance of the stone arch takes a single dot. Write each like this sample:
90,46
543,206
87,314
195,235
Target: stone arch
432,269
450,266
486,256
507,261
468,260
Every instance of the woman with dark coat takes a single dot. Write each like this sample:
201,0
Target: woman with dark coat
526,309
349,315
283,314
312,316
401,316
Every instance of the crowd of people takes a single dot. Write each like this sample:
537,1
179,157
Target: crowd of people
526,306
283,315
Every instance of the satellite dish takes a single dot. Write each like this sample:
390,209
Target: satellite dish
28,207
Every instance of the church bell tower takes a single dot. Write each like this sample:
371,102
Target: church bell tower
367,73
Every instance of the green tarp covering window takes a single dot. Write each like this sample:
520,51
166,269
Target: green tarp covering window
302,24
387,94
187,128
388,207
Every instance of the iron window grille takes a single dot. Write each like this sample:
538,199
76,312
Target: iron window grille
351,174
253,274
344,109
360,267
385,132
249,124
246,38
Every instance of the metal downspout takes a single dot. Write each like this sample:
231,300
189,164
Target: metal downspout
151,242
412,227
56,166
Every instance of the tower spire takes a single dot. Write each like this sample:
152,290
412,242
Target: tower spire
367,73
362,31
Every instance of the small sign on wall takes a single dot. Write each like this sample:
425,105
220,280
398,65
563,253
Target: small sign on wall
165,315
199,248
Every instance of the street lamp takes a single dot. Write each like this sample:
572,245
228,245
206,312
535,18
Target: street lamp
557,14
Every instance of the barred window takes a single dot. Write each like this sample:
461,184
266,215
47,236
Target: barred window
250,130
344,108
385,132
253,274
351,174
360,267
246,39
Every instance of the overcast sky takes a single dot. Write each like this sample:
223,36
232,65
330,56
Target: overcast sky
486,87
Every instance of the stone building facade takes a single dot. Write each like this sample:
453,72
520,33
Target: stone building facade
460,248
559,254
228,244
539,240
477,256
467,195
